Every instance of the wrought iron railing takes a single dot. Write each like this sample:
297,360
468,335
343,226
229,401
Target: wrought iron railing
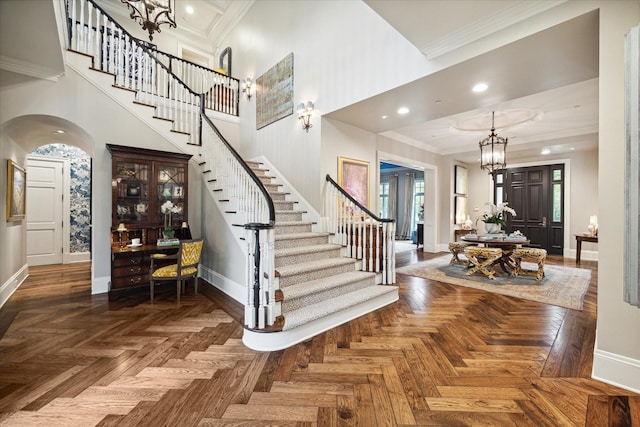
135,66
366,237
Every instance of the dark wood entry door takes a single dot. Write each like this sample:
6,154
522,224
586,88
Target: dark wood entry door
537,195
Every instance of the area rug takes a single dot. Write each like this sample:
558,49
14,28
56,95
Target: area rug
561,286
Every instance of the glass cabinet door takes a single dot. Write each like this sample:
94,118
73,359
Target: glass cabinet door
132,192
171,187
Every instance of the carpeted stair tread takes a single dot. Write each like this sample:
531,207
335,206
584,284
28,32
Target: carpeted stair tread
305,250
321,264
326,283
294,236
316,311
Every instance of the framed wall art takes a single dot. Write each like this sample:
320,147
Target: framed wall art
353,176
460,182
16,191
460,214
274,93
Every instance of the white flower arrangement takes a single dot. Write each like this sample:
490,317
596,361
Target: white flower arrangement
167,209
497,214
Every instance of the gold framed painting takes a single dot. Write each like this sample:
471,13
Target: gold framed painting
16,191
353,177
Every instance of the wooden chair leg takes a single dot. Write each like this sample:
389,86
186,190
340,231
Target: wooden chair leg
178,291
195,285
151,290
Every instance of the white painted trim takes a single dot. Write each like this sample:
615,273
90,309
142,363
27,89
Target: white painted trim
29,69
234,289
584,255
617,370
431,207
73,257
262,341
10,286
99,285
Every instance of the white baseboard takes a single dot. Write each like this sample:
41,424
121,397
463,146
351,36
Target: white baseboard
9,287
72,257
233,289
617,370
584,255
100,285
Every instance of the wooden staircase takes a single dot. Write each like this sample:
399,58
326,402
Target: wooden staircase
315,280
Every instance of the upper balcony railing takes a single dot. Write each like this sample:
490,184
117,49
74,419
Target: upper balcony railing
221,92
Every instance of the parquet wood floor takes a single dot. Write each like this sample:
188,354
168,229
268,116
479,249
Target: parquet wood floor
442,355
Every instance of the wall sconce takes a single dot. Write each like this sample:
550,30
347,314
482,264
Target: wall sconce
304,114
246,87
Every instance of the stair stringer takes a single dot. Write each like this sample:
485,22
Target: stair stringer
310,214
81,64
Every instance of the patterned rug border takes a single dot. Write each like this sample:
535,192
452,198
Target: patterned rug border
562,286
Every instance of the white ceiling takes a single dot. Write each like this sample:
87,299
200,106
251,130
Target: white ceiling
554,72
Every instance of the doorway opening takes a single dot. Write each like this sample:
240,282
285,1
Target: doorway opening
59,213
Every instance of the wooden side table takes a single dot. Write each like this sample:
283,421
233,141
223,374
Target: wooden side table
582,238
459,232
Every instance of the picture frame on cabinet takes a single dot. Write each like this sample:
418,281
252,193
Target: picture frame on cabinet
178,191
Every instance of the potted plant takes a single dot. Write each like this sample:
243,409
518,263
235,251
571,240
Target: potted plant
495,217
167,209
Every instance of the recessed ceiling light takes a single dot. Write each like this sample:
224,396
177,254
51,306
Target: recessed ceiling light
385,116
545,151
189,10
59,131
480,87
438,101
572,148
403,110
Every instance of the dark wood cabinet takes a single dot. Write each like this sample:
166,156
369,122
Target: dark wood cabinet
142,181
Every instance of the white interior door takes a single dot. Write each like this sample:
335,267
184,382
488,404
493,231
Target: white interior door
45,211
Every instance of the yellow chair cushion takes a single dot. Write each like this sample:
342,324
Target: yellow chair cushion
172,271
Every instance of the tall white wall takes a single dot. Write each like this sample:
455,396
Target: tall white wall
617,354
342,52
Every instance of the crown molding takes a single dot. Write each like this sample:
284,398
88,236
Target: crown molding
29,69
486,26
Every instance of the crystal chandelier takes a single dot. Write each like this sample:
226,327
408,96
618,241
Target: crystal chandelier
152,13
493,151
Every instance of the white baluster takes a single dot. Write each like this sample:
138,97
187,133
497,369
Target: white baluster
96,49
373,244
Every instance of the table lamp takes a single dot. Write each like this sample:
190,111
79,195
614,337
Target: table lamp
593,225
121,229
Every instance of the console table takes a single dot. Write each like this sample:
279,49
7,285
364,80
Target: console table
582,238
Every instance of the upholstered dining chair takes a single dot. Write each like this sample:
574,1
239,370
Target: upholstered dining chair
186,267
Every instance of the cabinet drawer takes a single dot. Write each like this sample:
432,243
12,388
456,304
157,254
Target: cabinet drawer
131,261
130,281
130,270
